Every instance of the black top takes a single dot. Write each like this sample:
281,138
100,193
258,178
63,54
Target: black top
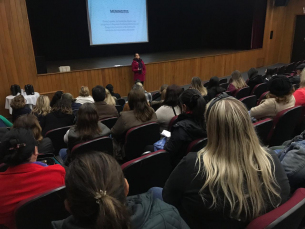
19,112
252,82
182,188
212,92
45,146
57,119
294,79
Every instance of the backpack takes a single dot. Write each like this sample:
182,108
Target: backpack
15,89
29,89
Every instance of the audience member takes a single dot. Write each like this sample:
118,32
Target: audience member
56,97
74,105
170,107
30,122
110,88
279,98
96,198
103,109
213,88
42,108
296,79
299,94
25,177
236,82
158,98
19,107
147,94
254,78
84,96
110,100
190,125
197,84
61,115
269,73
233,179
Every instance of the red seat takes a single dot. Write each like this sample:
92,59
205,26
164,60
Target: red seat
172,122
109,122
145,172
262,97
288,215
249,101
57,138
263,128
259,89
197,145
241,93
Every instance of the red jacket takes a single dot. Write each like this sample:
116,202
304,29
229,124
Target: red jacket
24,181
137,74
299,96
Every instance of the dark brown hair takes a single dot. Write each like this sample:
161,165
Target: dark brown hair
29,121
18,102
138,103
96,191
64,106
172,95
87,121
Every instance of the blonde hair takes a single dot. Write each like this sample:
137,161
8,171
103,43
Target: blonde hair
140,84
197,84
109,98
84,91
281,99
237,80
302,78
42,106
235,164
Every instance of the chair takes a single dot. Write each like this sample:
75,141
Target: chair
284,125
37,212
145,172
120,102
197,145
171,123
137,138
288,215
119,108
109,122
263,128
156,96
259,89
262,97
223,80
224,85
241,93
206,84
249,101
102,144
57,138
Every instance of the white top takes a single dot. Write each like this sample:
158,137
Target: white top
82,99
30,99
165,114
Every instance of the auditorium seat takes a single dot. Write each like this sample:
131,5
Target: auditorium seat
241,93
249,101
300,127
262,97
290,68
223,80
120,102
109,122
206,84
172,122
137,138
288,215
37,212
145,172
263,129
284,125
281,70
119,108
259,89
57,138
197,145
156,96
224,85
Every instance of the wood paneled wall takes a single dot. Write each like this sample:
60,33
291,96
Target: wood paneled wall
17,62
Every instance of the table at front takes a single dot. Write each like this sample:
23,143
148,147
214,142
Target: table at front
30,100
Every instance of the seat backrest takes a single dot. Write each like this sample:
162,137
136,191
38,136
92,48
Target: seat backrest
172,122
145,172
109,122
259,89
224,85
263,128
156,96
262,97
281,70
137,138
205,84
120,102
57,138
37,212
197,145
241,93
249,101
119,108
223,80
284,125
288,215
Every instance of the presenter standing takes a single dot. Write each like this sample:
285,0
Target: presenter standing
138,68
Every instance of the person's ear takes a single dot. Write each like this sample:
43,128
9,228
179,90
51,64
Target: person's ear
126,187
67,206
36,151
184,108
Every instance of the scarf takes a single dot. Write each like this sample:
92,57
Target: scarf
140,64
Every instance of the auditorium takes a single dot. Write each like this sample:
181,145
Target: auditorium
152,114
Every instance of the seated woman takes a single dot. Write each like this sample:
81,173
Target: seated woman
87,127
110,88
110,100
96,201
30,122
197,84
233,179
213,88
140,113
84,96
56,97
147,94
75,106
190,125
254,78
299,94
42,108
24,177
61,115
19,107
170,106
279,98
236,82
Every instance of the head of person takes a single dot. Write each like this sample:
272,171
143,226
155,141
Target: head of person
280,88
214,82
18,146
68,97
18,102
236,166
192,102
300,68
137,56
252,73
237,80
87,121
56,97
172,95
96,191
29,122
110,88
197,84
140,85
64,106
109,98
84,91
98,93
302,78
163,91
269,71
42,106
138,103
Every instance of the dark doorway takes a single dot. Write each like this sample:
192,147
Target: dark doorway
298,51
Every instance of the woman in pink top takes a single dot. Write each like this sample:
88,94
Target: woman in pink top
236,82
299,94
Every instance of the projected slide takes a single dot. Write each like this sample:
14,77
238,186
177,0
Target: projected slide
117,21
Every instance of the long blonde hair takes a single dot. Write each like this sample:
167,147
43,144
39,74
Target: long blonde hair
235,164
109,98
42,106
237,80
197,84
302,78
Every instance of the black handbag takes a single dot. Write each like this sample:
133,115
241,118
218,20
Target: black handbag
15,89
29,89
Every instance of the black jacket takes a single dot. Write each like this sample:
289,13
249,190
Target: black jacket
146,213
55,120
182,188
183,133
254,80
45,146
19,112
212,92
294,79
